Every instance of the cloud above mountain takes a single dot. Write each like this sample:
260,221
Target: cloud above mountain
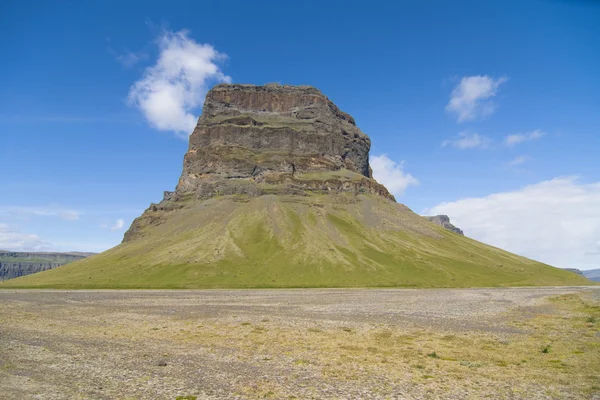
472,97
171,90
12,239
391,174
555,221
467,140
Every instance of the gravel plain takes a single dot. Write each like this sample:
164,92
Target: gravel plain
333,344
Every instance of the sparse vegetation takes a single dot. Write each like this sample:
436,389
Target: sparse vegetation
378,356
546,348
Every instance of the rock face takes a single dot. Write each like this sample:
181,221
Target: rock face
444,220
15,264
269,140
274,139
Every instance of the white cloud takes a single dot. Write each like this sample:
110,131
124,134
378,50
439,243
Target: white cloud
17,241
518,138
471,98
175,86
556,221
129,58
518,160
467,140
391,174
50,211
119,224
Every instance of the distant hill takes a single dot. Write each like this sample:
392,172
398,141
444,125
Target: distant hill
593,274
277,191
575,270
15,264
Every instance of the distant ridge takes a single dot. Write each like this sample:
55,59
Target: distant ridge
14,264
593,274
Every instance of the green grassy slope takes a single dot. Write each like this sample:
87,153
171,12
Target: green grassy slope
313,241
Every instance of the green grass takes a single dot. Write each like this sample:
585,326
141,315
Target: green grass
312,241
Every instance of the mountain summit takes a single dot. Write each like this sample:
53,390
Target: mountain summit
276,191
271,140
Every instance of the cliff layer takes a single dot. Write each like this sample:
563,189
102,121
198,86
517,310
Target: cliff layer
278,140
15,264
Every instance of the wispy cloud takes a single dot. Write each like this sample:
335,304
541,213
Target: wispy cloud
466,140
11,239
391,174
512,140
128,59
170,90
48,211
471,98
518,161
117,226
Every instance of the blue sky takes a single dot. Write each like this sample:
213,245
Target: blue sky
487,111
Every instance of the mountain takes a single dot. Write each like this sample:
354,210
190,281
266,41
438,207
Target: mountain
277,191
593,274
15,264
575,270
444,221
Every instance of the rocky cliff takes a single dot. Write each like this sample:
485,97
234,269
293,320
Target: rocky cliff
273,139
15,264
444,220
271,134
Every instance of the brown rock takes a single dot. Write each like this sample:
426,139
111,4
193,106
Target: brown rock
268,140
250,138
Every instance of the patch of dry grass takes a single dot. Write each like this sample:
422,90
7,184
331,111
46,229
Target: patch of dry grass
556,354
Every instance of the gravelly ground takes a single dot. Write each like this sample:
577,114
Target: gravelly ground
265,343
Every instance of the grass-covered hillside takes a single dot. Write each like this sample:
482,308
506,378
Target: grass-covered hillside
295,241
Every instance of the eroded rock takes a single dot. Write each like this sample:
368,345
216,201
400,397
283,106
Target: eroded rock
271,134
444,220
269,140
